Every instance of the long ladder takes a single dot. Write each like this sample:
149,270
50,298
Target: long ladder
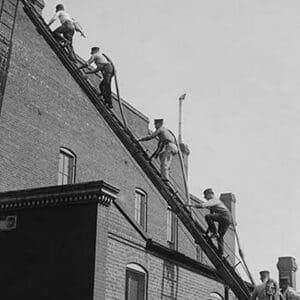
8,11
226,271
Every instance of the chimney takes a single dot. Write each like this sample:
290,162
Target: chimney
229,200
287,268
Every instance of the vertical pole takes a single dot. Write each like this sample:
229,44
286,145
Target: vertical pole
181,98
188,200
226,293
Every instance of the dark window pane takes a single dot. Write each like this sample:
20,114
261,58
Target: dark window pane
66,167
172,228
135,285
140,208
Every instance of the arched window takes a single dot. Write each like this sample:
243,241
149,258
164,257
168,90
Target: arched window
136,282
140,208
215,296
66,166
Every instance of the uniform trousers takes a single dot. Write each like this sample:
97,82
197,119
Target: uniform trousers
165,158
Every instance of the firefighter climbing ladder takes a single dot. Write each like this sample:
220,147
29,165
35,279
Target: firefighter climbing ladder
225,270
8,10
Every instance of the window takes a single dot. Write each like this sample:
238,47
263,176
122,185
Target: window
140,208
66,167
172,226
215,296
199,254
136,282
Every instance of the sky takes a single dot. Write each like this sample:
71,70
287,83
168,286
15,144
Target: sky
239,63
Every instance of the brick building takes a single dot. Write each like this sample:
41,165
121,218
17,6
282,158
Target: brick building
79,218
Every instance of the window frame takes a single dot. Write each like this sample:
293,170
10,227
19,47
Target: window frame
141,208
65,153
136,269
199,253
172,229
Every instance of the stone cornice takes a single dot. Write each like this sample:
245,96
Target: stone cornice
97,191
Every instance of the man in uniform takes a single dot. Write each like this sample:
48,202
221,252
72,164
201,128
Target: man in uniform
218,213
288,292
166,147
267,290
66,31
107,70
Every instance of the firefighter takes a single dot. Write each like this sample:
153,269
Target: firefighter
166,148
65,32
218,213
288,293
107,70
267,290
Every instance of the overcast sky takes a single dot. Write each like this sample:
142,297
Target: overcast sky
239,63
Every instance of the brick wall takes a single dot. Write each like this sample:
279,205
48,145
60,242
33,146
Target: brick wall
165,278
44,109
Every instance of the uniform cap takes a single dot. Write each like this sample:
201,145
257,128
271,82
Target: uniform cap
59,7
158,120
208,191
264,272
95,49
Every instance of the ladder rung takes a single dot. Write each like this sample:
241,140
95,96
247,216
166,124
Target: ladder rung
6,25
8,13
4,40
236,264
12,3
3,55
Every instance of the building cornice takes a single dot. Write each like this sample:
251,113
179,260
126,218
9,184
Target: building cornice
97,191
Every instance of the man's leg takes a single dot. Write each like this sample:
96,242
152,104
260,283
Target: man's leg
107,82
211,223
102,87
165,163
224,224
68,35
58,33
107,77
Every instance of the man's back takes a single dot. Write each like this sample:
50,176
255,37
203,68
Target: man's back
291,294
259,292
165,135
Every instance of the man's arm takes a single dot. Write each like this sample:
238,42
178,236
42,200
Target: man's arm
210,203
149,137
200,205
53,19
253,295
89,62
293,294
94,71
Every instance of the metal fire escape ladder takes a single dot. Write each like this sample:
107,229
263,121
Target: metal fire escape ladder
226,271
8,11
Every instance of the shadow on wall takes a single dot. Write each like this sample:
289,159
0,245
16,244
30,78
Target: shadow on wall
169,284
